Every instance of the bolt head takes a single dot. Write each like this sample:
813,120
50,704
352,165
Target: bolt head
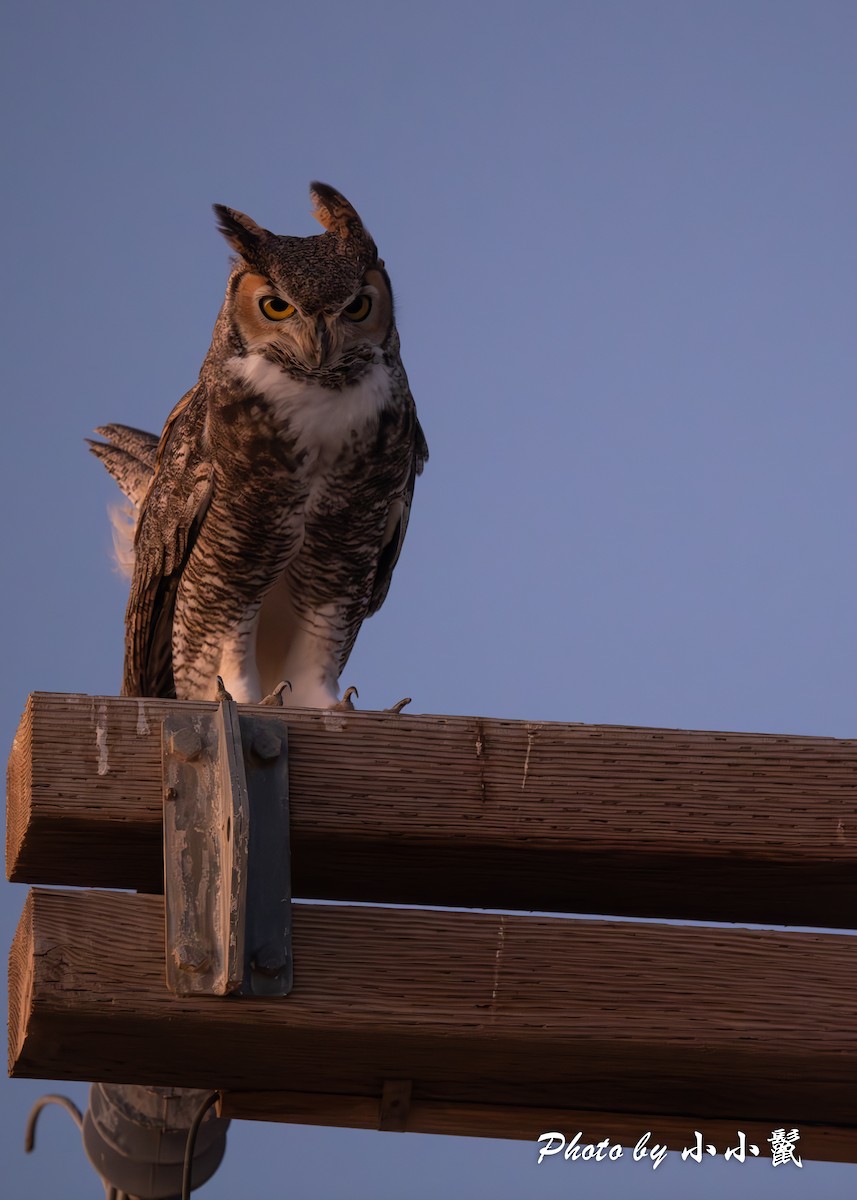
267,745
190,958
271,966
185,744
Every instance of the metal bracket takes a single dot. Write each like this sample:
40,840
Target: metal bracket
227,874
395,1105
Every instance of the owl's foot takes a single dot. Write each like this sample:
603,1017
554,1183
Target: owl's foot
275,699
222,693
345,704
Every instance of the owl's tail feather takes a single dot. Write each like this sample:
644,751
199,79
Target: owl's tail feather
129,455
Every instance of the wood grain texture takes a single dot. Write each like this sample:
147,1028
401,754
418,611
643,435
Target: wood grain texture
472,1008
470,811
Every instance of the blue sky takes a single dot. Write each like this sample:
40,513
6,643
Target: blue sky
621,236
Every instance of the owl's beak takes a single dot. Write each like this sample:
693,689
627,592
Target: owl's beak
322,339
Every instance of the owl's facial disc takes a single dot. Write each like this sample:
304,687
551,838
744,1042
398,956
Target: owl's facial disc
271,323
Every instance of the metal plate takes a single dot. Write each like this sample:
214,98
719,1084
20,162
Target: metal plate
227,876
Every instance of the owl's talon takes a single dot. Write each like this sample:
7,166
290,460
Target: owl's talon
345,705
397,708
222,693
275,698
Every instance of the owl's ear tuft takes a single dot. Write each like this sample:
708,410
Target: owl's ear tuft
242,233
334,212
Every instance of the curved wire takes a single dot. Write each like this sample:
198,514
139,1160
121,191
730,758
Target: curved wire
190,1146
32,1120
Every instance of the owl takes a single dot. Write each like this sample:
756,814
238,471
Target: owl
270,513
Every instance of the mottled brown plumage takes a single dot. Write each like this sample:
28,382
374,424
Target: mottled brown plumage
279,494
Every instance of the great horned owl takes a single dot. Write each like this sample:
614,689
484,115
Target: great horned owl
271,511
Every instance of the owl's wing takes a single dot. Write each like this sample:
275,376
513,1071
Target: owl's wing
397,524
400,510
171,515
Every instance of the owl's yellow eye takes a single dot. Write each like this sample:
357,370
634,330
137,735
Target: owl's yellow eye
359,309
276,309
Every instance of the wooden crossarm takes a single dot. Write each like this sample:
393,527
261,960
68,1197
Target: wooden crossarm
470,811
472,1008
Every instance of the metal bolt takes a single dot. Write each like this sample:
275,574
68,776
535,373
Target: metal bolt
270,966
170,793
186,744
267,745
190,958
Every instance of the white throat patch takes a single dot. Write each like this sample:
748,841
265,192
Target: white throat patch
321,418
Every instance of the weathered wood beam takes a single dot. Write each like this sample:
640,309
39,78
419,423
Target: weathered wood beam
469,811
471,1008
